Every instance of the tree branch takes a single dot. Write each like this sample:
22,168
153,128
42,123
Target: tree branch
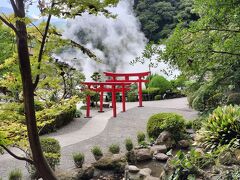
15,9
37,29
17,157
42,48
215,29
9,24
224,52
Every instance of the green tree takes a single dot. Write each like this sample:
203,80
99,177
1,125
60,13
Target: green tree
7,48
159,17
207,52
96,76
71,9
159,82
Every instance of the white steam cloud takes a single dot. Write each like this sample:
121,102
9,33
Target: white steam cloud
115,41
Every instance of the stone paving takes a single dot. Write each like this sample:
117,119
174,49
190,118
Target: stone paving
82,134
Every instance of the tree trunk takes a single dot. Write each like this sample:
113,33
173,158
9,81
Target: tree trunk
25,68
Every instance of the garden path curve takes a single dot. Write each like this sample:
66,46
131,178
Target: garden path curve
103,130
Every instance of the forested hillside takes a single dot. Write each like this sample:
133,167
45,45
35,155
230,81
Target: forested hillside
159,17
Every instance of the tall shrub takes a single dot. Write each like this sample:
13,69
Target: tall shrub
160,82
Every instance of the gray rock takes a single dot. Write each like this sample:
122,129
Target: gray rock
145,172
151,178
165,138
85,173
143,154
115,162
133,169
133,176
161,157
159,149
184,143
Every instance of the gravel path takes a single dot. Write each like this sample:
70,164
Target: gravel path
116,131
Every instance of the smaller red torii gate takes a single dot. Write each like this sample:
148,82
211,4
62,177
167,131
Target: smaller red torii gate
102,87
127,79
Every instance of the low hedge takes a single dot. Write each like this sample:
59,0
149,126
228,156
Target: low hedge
63,118
150,93
171,122
157,97
132,97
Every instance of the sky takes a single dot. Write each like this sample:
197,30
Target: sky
33,10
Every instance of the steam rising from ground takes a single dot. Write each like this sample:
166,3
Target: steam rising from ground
115,41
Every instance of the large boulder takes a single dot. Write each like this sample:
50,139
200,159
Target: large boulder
116,162
145,172
161,157
158,149
165,138
143,154
133,169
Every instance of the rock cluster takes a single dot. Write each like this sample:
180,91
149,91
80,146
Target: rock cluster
134,173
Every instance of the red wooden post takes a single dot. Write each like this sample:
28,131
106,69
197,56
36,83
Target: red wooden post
101,99
88,99
140,91
114,105
123,99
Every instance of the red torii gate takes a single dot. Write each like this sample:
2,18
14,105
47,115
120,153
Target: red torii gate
101,87
126,79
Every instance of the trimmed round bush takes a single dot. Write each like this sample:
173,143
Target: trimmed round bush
51,150
171,122
157,97
233,99
160,82
50,145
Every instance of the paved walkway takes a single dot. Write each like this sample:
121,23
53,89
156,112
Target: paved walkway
103,130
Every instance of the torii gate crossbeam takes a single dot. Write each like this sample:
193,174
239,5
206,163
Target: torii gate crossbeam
126,79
